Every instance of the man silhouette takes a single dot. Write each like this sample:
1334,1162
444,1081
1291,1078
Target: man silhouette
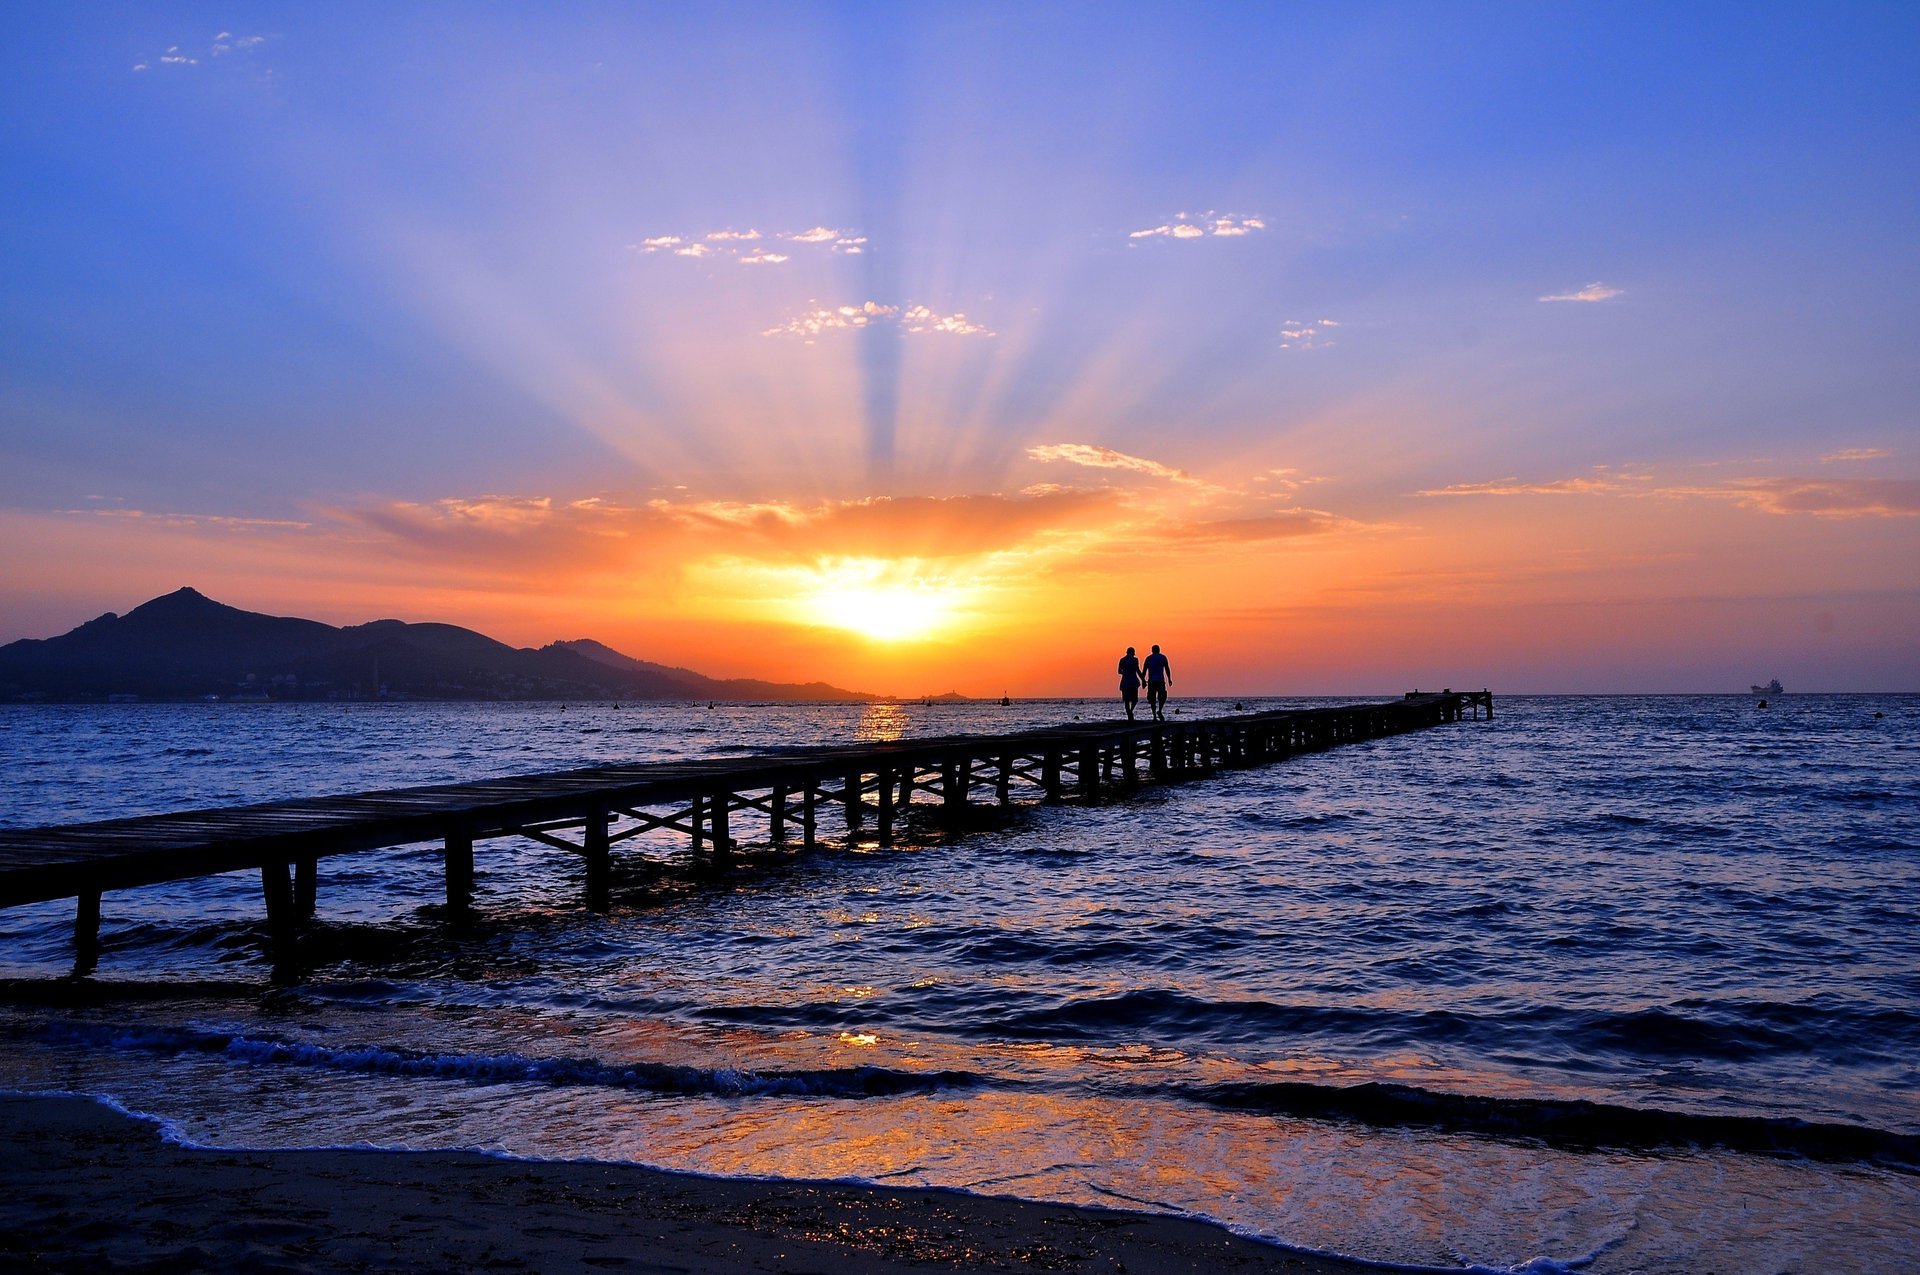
1129,681
1159,678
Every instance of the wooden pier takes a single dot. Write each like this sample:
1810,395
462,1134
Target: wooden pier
587,813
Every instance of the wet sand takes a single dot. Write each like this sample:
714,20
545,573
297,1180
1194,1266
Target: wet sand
83,1188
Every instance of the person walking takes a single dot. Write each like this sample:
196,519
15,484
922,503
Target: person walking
1159,678
1130,681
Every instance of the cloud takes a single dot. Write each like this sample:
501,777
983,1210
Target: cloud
1819,498
1514,487
1200,225
913,318
219,522
1814,497
1285,524
1856,453
1592,292
1295,335
745,245
917,318
540,535
1106,458
224,43
227,42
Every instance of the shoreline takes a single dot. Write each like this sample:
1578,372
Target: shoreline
86,1187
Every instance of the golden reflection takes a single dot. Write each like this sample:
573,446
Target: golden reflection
859,1038
882,723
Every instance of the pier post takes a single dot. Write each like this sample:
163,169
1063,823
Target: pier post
885,797
722,836
808,819
306,887
1090,773
86,933
1157,754
277,890
851,795
696,819
459,866
1003,786
598,864
777,819
953,792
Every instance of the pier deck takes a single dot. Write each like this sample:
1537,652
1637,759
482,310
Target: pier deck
588,812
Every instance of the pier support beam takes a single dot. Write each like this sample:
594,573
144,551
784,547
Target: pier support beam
1090,773
722,833
808,817
86,933
459,858
850,794
599,865
276,887
777,819
886,788
1050,775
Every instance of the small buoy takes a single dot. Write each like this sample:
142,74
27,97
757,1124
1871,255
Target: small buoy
1763,703
1878,715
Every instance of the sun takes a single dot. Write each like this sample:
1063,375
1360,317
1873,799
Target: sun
884,601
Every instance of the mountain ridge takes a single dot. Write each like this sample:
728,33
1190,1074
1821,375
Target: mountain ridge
184,645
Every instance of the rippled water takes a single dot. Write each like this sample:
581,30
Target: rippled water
1633,981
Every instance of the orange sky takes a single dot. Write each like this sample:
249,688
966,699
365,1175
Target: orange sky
1335,351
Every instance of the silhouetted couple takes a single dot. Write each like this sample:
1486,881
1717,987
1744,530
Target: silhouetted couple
1155,673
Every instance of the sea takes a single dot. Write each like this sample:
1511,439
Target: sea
1606,984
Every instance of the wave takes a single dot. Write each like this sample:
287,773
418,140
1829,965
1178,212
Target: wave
513,1068
1691,1029
1573,1124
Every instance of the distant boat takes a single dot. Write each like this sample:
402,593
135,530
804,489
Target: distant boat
1771,688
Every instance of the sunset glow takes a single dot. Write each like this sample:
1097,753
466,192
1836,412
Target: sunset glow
905,341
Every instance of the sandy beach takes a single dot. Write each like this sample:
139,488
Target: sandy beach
84,1188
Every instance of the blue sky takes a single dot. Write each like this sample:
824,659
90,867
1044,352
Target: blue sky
312,264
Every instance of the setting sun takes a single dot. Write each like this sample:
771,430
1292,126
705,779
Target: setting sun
885,602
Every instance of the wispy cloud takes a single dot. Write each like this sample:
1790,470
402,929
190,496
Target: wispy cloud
745,245
812,324
1819,498
219,522
224,43
1592,292
541,534
1296,335
1106,458
1200,226
1556,487
1785,495
1855,453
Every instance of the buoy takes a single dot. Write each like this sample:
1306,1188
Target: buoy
1763,703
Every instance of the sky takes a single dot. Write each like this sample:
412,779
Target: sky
1335,348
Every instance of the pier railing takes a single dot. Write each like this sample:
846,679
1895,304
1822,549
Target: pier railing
715,804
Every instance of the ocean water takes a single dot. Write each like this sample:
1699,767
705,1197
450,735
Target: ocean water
1610,984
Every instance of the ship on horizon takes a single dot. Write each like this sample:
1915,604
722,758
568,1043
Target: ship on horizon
1771,688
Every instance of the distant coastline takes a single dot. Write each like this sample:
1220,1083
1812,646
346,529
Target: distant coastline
185,647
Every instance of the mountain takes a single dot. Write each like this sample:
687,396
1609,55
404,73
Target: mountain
187,646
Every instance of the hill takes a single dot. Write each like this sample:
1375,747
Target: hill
187,646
